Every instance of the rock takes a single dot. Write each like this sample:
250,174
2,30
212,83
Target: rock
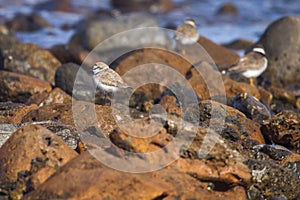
228,9
141,62
284,128
282,44
221,56
283,99
30,156
150,55
233,88
27,23
206,81
275,152
209,167
57,96
239,44
55,112
143,5
170,105
55,5
6,130
68,133
233,125
31,60
67,53
13,113
165,183
18,88
251,107
79,114
65,77
266,96
270,179
7,39
100,31
139,100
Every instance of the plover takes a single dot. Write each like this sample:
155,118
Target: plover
252,65
187,33
107,79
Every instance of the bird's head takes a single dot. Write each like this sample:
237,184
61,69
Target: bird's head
99,66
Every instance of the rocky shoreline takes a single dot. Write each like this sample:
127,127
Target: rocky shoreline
43,152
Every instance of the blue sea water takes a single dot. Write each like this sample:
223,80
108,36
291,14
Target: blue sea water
252,19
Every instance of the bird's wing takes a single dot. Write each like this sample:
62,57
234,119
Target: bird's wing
111,78
249,62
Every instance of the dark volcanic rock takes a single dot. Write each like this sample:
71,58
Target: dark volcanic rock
76,81
230,123
284,128
31,60
282,45
19,88
270,179
65,77
251,107
143,5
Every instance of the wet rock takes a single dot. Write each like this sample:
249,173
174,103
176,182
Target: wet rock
251,107
38,155
270,179
96,31
281,42
221,56
228,9
284,128
13,113
31,60
27,23
19,88
144,5
239,44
